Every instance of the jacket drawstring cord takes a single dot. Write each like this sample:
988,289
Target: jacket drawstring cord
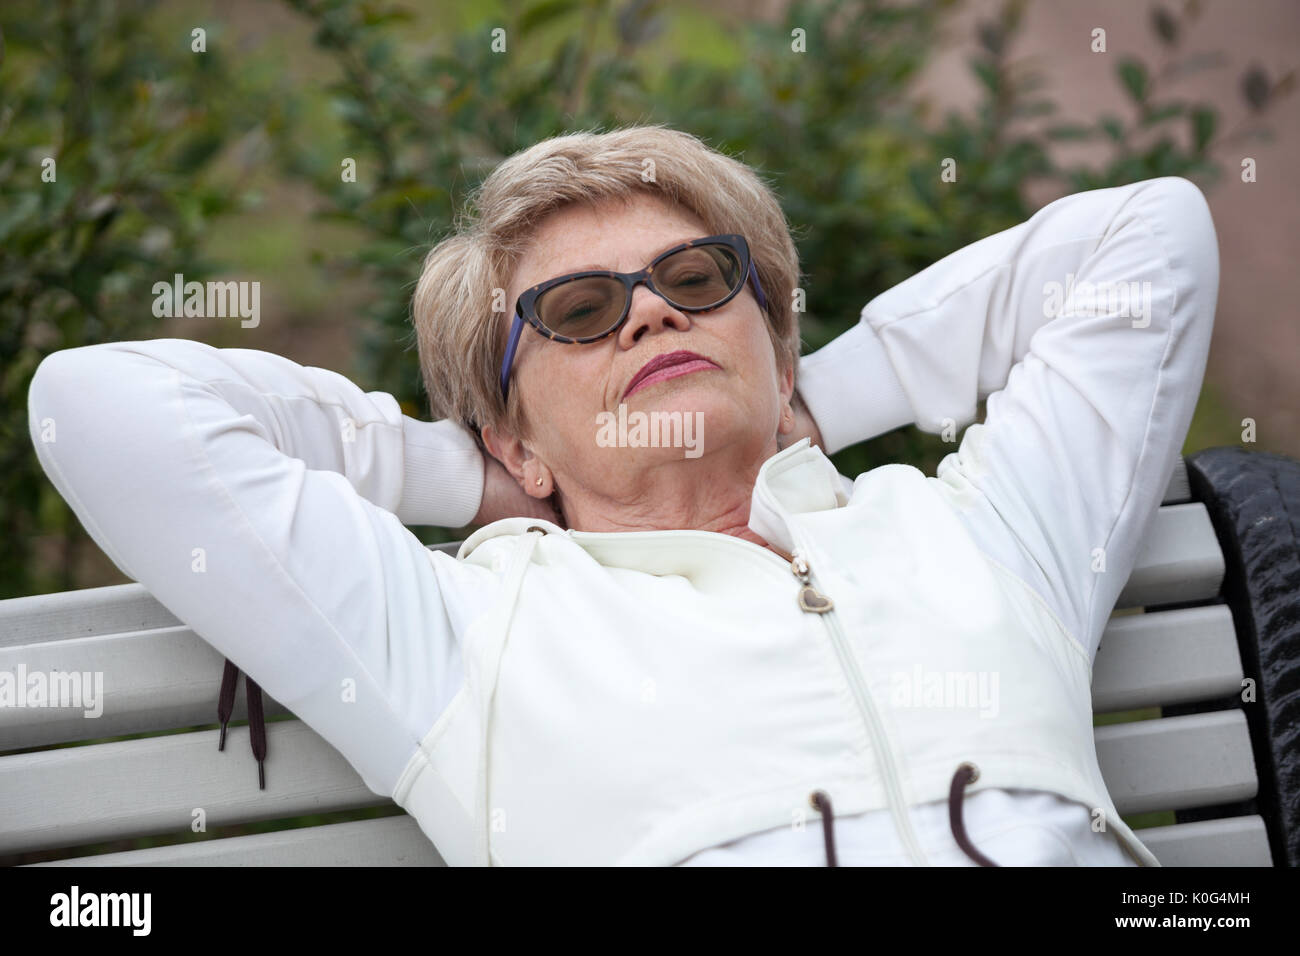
256,715
256,711
256,727
821,800
967,773
486,665
226,699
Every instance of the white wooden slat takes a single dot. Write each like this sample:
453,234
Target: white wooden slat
1180,559
1170,763
80,795
117,609
397,841
1166,657
1173,763
83,613
388,841
88,794
150,681
169,678
1179,488
1228,841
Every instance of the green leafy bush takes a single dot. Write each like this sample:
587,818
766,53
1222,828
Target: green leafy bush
105,139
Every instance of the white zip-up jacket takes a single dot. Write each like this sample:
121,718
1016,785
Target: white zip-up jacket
554,696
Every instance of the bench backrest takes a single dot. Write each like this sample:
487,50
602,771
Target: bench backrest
160,683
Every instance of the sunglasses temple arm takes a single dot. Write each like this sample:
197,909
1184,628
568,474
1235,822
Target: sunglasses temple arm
758,288
515,329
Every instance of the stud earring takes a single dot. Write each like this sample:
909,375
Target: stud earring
539,482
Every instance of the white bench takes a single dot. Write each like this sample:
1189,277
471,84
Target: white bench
160,676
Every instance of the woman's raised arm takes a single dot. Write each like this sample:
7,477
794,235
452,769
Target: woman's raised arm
262,502
1087,327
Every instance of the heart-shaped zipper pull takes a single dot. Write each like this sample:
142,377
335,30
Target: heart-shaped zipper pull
810,599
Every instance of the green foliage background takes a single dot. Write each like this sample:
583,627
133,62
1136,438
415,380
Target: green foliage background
143,130
160,149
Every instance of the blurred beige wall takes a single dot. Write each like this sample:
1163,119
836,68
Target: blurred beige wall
1256,347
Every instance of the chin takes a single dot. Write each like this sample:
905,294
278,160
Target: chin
684,422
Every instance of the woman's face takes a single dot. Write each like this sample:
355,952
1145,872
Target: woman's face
730,399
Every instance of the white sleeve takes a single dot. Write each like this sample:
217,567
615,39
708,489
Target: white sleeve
1087,327
259,500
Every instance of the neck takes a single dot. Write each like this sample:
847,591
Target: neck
710,493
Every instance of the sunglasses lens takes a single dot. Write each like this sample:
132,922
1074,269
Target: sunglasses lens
583,307
700,276
695,278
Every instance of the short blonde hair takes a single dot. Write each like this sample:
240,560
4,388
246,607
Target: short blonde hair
462,341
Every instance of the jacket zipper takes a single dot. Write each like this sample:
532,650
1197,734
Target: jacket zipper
813,601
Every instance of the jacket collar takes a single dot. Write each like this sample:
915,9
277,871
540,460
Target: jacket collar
797,479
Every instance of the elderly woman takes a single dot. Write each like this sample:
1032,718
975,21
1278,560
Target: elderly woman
690,641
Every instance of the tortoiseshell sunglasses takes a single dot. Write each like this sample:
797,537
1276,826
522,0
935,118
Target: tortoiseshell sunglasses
696,276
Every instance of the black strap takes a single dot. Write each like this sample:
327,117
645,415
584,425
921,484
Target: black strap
256,715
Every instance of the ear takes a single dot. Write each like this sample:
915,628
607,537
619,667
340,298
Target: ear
788,417
519,460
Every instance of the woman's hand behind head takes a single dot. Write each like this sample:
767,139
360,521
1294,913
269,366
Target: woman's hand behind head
504,498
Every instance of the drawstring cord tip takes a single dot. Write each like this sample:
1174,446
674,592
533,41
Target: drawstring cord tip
967,773
821,802
226,699
256,715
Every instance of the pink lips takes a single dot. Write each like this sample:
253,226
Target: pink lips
666,366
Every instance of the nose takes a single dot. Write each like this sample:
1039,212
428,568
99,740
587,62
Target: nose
650,313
